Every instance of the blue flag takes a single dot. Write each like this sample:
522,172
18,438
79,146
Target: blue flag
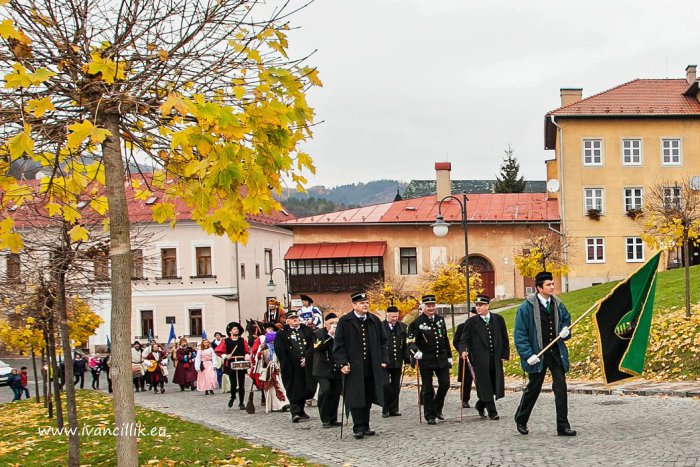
172,335
150,336
109,344
204,334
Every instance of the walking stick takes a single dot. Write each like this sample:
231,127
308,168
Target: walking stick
461,390
342,410
420,416
585,313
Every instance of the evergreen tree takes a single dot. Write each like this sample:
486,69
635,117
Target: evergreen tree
509,181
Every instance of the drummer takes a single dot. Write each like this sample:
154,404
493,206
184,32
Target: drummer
234,349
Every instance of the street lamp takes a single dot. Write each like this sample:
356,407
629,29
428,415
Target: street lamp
271,286
440,228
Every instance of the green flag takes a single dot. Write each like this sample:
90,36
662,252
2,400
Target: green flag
623,323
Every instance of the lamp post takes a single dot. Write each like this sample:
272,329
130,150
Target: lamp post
440,228
271,286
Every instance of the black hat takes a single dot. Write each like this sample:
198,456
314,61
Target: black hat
481,298
331,315
472,309
268,325
358,296
543,276
306,298
291,314
392,309
428,299
234,324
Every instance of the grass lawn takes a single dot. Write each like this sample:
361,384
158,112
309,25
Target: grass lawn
179,443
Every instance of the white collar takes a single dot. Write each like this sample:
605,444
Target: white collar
543,300
361,317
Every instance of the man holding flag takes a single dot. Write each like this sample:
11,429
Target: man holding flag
540,319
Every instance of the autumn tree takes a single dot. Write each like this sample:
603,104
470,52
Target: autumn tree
547,251
510,180
201,89
670,219
448,283
393,291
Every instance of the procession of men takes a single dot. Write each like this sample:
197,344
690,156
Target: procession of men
352,362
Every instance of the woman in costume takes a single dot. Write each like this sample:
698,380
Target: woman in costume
204,364
185,371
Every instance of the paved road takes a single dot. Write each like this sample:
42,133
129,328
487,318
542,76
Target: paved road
613,430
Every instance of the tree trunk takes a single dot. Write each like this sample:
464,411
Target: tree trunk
686,263
36,377
73,435
56,373
120,256
44,377
452,313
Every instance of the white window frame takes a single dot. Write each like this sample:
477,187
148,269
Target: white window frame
146,307
637,241
625,207
595,246
671,193
585,199
159,250
680,152
641,151
195,306
583,152
193,252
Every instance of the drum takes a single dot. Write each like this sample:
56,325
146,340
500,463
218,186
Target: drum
239,365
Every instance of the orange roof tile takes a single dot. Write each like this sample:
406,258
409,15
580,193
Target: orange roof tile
335,250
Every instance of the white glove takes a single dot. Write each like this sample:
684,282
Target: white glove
418,355
533,360
247,357
564,333
449,360
262,339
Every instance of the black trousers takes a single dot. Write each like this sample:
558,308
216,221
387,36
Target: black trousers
237,380
488,403
532,391
467,388
360,415
79,377
95,379
329,398
433,402
392,390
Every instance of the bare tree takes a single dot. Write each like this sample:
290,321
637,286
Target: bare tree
545,250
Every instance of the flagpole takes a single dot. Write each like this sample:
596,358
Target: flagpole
585,313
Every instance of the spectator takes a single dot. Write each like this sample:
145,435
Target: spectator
23,375
79,368
15,382
95,370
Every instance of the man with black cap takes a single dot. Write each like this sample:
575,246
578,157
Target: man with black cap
428,344
234,349
539,320
293,345
397,352
327,373
309,315
485,342
360,351
466,379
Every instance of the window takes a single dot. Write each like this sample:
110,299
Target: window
137,264
409,261
268,261
592,152
242,271
203,255
257,271
147,323
593,199
671,151
632,152
101,266
13,268
595,250
633,198
168,263
334,266
635,249
196,322
672,197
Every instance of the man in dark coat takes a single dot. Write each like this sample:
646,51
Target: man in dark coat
360,351
327,373
485,342
466,388
397,352
428,343
293,344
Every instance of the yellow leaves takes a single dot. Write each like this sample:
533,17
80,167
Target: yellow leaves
312,75
255,55
38,107
8,237
177,102
106,68
78,233
80,131
163,55
54,209
163,211
21,79
22,143
8,31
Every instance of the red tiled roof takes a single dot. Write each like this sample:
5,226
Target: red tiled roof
335,250
637,97
488,207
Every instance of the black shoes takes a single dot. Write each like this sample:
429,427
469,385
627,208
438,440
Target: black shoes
305,416
230,402
358,435
522,429
296,418
466,405
494,416
566,432
326,425
241,406
395,414
432,422
440,416
482,414
336,423
385,415
370,433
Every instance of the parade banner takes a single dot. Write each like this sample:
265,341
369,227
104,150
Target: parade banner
623,324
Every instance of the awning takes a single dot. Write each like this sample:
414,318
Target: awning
335,250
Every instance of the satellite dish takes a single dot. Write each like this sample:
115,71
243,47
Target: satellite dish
553,185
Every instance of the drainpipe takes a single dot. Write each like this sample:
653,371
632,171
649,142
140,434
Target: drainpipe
238,284
562,205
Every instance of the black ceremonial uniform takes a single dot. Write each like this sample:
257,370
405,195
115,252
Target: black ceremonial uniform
397,351
487,346
429,336
466,389
327,374
291,345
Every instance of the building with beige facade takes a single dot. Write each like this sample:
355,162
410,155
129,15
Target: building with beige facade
608,148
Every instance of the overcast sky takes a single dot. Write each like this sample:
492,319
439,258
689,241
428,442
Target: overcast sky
411,82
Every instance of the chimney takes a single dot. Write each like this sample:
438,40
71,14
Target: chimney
690,73
570,95
442,179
